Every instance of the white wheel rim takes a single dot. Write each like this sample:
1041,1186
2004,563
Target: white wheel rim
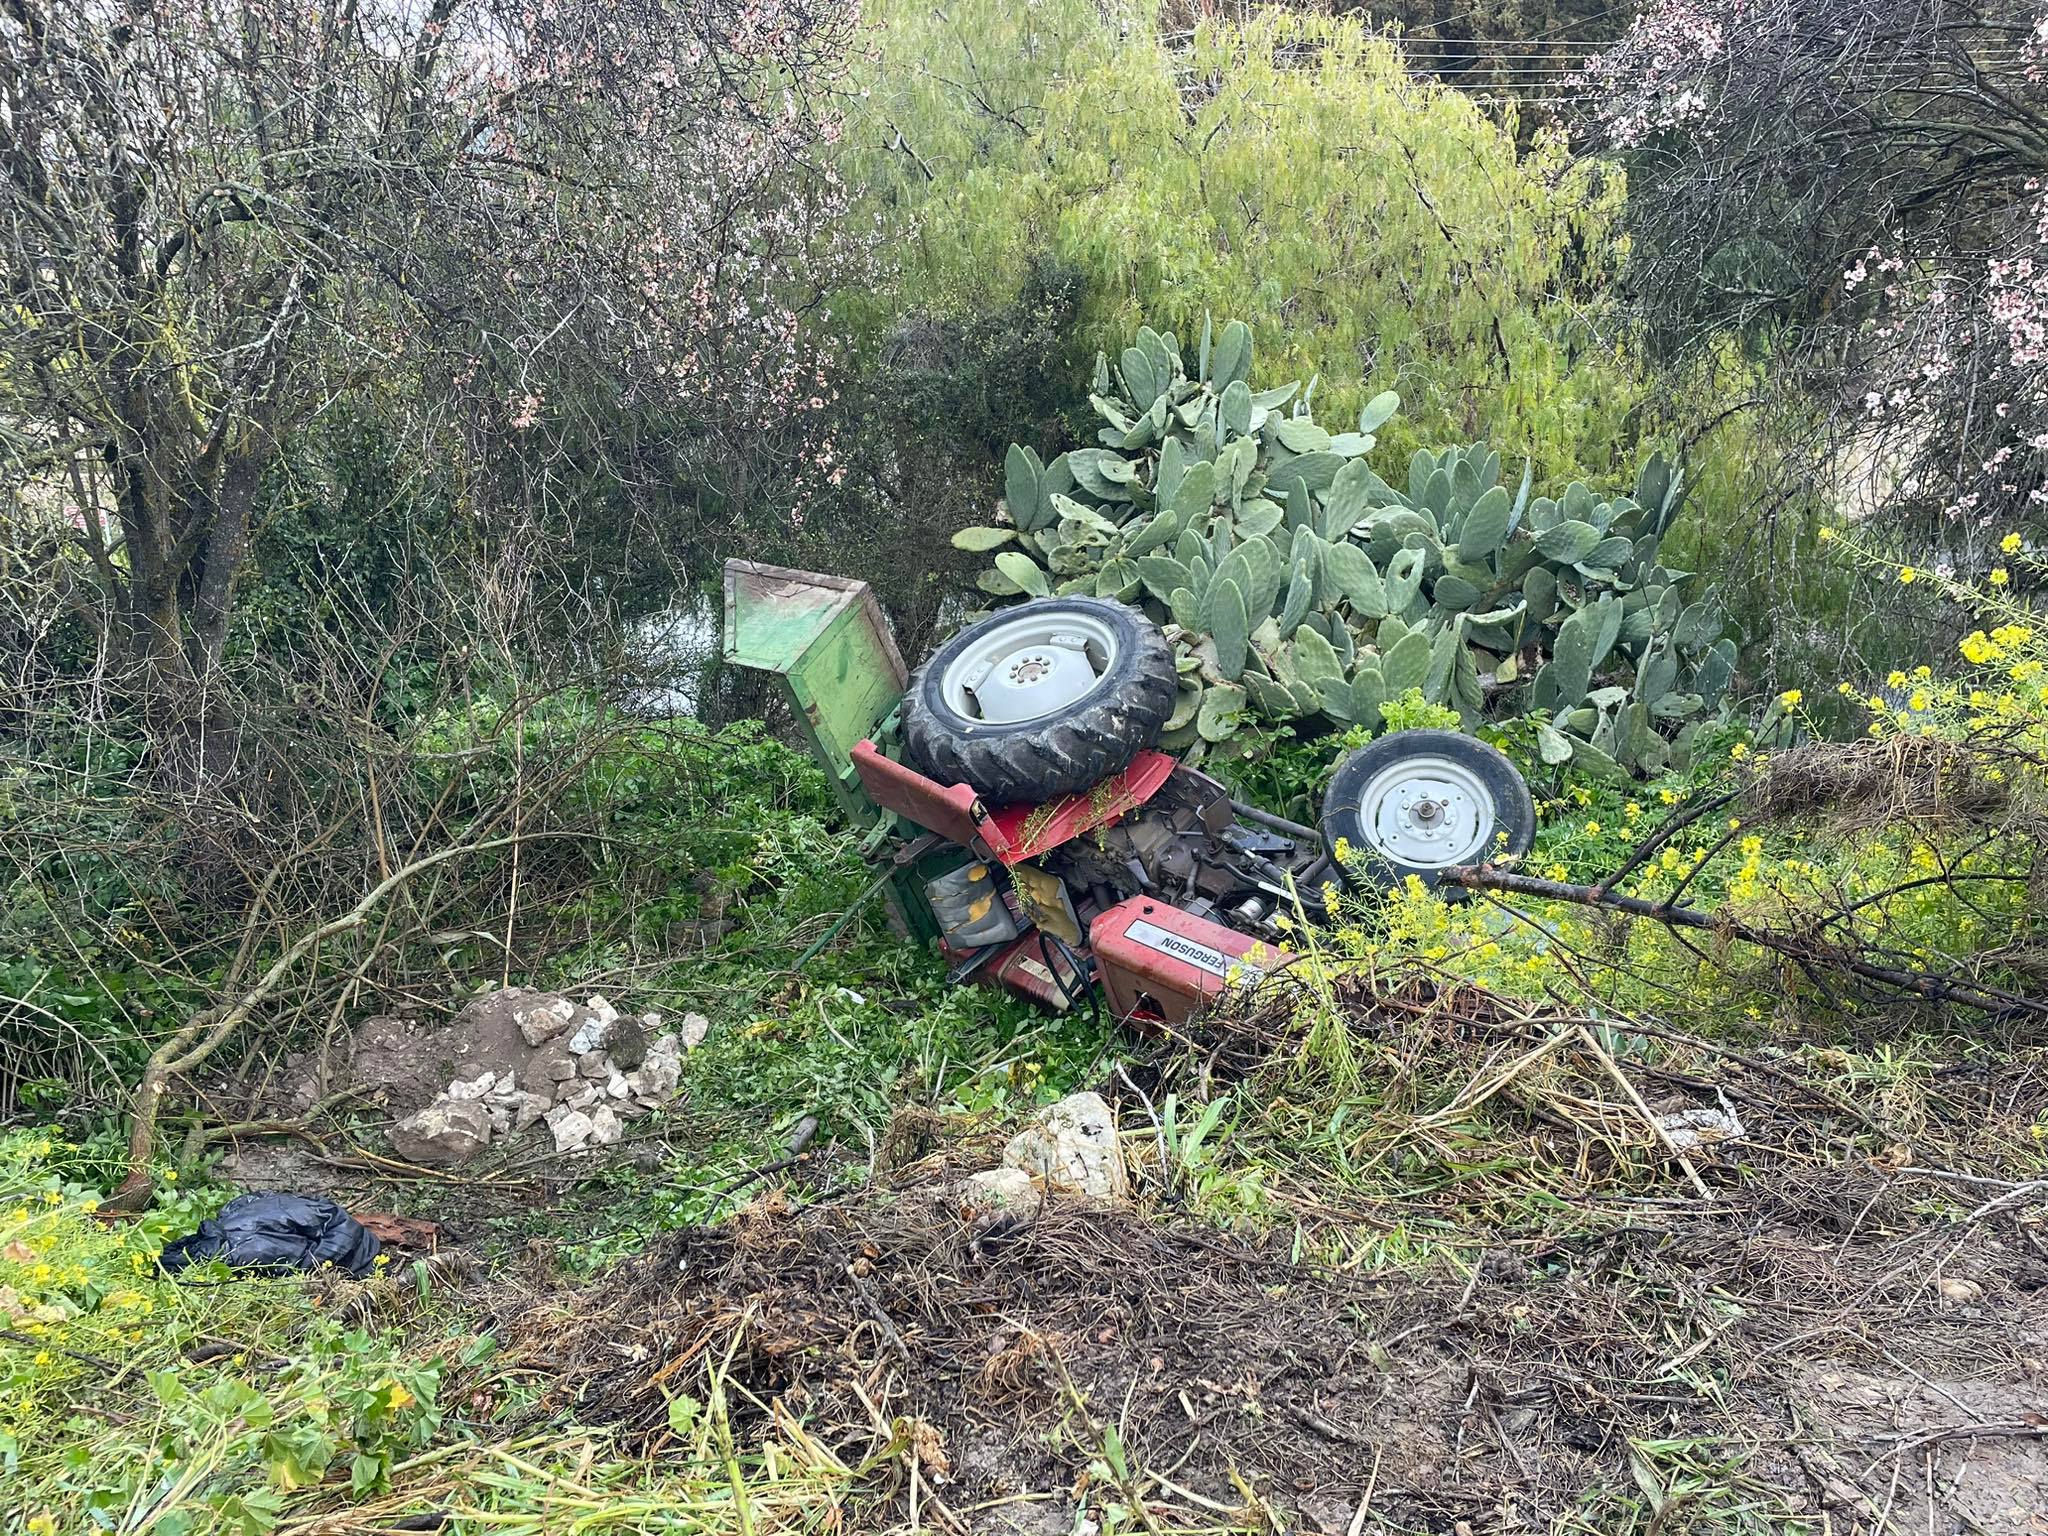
1032,667
1427,811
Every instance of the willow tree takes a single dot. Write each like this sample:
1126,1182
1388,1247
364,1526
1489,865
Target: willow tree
1380,230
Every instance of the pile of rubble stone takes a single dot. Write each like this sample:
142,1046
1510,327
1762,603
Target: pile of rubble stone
587,1069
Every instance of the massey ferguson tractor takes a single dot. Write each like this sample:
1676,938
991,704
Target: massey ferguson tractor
1010,792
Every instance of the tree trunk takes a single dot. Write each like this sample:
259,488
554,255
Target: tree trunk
226,549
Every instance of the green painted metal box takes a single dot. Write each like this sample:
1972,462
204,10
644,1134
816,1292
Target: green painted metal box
826,638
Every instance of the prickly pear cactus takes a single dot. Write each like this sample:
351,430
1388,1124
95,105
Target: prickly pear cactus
1300,585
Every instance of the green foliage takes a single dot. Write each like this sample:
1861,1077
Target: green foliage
221,1445
1412,712
1302,585
1286,169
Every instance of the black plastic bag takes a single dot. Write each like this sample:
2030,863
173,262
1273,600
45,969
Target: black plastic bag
274,1233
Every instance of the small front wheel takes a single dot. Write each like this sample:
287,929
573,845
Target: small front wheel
1419,802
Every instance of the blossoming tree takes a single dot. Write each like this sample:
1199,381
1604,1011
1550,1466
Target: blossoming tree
1861,187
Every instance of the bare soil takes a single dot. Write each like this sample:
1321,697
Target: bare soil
1811,1365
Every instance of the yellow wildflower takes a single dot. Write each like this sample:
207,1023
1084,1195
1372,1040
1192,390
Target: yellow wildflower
1790,698
1908,575
2010,543
1824,534
1998,576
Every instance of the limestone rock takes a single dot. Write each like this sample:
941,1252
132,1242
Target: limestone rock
605,1127
1072,1145
571,1128
446,1132
478,1087
596,1066
659,1075
551,1064
615,1086
543,1021
531,1107
998,1192
694,1028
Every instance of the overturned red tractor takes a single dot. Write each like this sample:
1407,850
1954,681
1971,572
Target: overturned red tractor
1022,820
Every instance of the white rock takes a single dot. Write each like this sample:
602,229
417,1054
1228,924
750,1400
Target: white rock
584,1097
1693,1128
475,1088
446,1132
652,1021
590,1035
604,1010
694,1027
604,1126
998,1192
501,1119
615,1086
531,1107
571,1127
656,1077
1072,1145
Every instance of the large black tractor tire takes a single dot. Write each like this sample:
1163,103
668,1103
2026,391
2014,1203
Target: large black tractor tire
1083,743
1416,802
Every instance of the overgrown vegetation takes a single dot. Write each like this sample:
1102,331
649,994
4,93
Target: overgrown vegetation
368,380
1304,586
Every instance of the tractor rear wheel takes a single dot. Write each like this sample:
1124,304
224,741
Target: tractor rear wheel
1040,700
1418,802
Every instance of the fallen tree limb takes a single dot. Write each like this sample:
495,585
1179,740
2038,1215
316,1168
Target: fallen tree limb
1806,949
206,1031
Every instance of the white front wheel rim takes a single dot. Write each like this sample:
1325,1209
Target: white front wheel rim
1029,668
1427,812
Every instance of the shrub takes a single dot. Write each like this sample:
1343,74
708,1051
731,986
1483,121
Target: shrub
1302,586
1287,169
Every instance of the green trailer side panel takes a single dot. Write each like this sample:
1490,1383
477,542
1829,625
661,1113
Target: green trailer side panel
826,637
